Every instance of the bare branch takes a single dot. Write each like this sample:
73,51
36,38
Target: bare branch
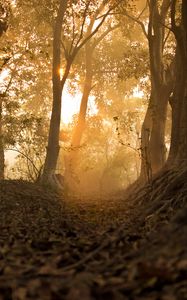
83,23
24,155
73,34
143,10
96,29
173,13
99,10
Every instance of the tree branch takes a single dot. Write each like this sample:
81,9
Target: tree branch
83,23
173,13
125,13
23,154
96,29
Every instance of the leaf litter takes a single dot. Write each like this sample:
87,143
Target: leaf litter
132,245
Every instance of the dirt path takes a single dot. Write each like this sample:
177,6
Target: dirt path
131,247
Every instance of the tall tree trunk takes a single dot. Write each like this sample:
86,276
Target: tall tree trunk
79,129
72,156
54,130
157,138
176,105
178,150
153,151
182,149
2,156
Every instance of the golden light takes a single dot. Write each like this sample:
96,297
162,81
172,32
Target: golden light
70,106
3,76
61,72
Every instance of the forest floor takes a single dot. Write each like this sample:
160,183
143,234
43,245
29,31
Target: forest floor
131,246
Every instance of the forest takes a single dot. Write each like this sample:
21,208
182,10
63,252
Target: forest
93,149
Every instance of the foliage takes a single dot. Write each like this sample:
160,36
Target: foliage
109,157
5,11
26,86
30,147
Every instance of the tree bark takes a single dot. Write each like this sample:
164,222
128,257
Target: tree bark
2,155
181,157
72,157
153,150
178,150
176,104
54,129
79,129
157,138
146,170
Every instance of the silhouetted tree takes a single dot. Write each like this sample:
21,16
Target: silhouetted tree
153,150
178,149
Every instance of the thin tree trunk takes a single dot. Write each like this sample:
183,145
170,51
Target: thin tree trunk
54,130
79,129
71,158
2,156
146,171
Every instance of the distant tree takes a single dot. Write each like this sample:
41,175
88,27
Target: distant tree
79,128
4,15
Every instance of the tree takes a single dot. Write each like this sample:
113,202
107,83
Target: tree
25,72
53,140
71,47
4,14
78,130
2,157
29,147
178,149
153,151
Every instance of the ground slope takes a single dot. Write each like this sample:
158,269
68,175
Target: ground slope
132,246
